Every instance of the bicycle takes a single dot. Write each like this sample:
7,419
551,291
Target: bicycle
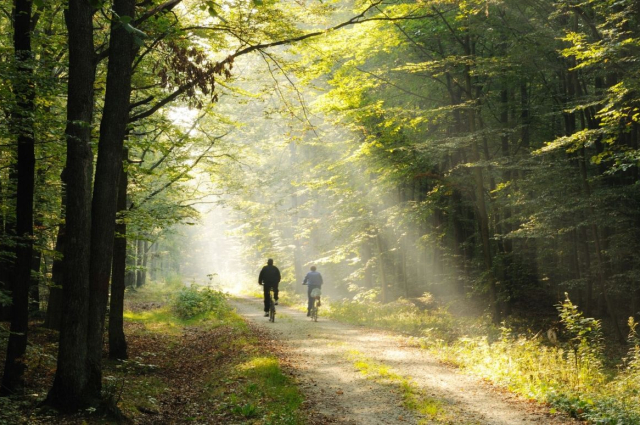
315,294
272,307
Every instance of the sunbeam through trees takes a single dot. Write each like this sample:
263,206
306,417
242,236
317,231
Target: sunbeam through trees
458,164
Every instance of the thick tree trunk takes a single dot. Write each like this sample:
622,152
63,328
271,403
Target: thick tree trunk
117,339
69,386
22,120
108,169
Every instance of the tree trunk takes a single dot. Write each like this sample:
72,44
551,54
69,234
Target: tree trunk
297,251
381,267
403,267
365,253
130,274
69,386
139,261
115,116
22,122
483,218
588,308
153,262
117,339
55,302
34,281
599,251
145,261
8,231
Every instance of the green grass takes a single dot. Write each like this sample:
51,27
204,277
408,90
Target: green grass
255,388
573,376
401,315
243,382
160,320
413,398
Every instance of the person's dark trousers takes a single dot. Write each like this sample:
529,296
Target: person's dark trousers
309,289
266,287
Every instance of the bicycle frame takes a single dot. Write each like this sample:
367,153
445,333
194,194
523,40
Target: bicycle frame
272,307
314,310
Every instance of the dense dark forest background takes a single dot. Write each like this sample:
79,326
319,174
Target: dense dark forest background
470,149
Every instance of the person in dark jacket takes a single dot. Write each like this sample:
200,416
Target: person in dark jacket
313,280
269,278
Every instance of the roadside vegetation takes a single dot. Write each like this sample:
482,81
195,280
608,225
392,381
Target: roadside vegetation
191,358
569,368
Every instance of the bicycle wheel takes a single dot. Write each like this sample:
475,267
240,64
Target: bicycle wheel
314,313
272,311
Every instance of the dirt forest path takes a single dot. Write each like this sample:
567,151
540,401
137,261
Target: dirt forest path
355,375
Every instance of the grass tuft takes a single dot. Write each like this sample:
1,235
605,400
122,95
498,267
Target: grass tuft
413,397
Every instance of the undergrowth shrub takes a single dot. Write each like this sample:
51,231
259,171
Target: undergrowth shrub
173,281
400,315
192,301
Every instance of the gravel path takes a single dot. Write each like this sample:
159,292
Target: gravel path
355,375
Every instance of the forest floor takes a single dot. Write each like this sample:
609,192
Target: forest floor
226,370
355,375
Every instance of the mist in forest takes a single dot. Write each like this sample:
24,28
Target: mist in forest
361,154
298,188
212,255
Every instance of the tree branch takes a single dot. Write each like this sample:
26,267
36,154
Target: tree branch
179,176
163,102
167,6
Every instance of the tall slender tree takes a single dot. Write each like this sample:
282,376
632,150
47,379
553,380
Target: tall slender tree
108,171
23,124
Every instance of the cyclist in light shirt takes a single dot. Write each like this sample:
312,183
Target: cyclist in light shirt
313,280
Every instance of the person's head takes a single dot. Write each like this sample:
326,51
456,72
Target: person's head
270,262
313,268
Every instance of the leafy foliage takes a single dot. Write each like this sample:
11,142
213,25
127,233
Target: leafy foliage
194,301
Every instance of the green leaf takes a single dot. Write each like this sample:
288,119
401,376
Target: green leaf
130,29
211,7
